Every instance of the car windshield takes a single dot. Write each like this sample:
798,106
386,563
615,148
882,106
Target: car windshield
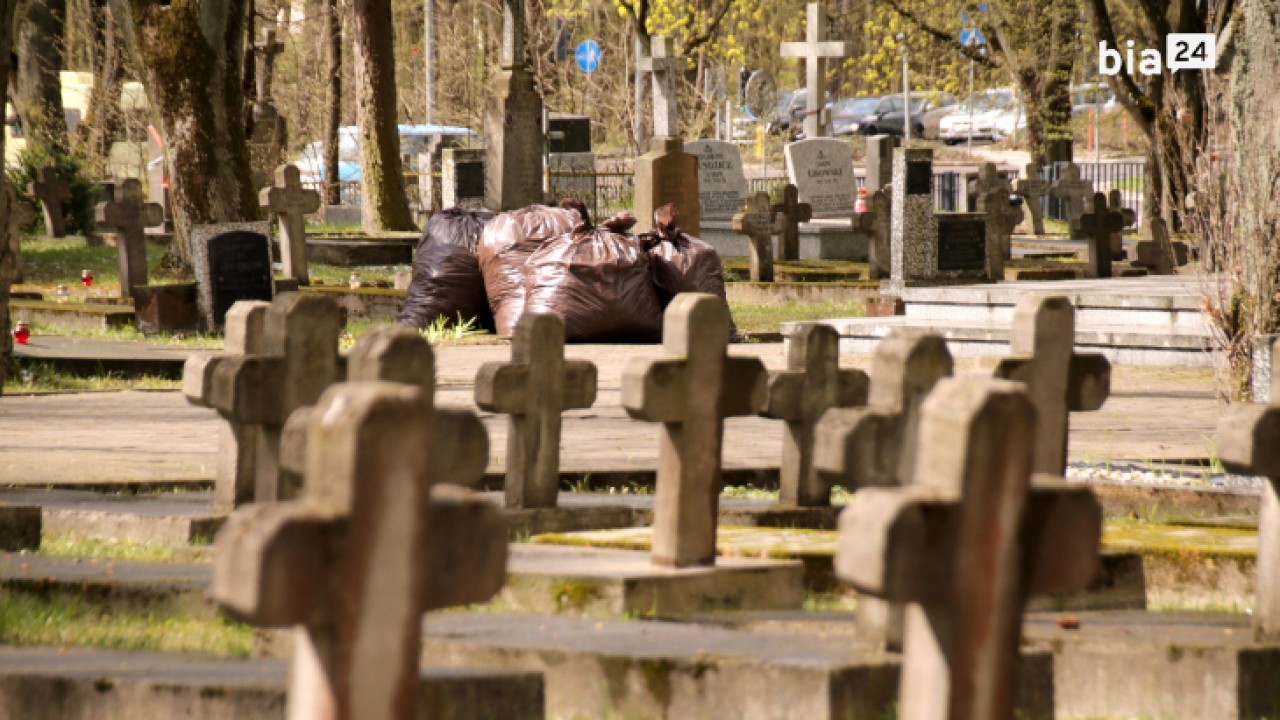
855,107
989,101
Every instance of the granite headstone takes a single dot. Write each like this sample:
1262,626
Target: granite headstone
822,170
232,262
722,185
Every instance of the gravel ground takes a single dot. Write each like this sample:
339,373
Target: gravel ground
1159,474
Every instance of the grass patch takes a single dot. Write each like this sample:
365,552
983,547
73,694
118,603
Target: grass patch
192,340
72,545
830,602
757,318
30,377
839,495
370,276
49,262
331,228
58,620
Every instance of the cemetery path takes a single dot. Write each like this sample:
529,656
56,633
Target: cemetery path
146,438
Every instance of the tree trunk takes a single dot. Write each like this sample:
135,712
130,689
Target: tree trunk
38,86
331,36
189,55
7,259
102,119
383,205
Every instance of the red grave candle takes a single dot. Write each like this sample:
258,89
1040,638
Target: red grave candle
22,333
86,278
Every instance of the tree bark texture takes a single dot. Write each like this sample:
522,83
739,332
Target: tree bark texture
331,37
102,119
8,262
190,56
38,84
383,205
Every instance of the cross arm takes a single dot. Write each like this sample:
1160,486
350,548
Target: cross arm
248,390
893,544
501,387
152,214
784,392
858,445
1061,535
1088,382
579,384
270,563
197,377
742,388
466,549
653,390
1249,439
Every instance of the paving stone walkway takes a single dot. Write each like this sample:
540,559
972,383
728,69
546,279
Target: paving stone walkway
141,438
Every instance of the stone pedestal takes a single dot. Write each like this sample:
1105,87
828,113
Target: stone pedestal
667,174
513,141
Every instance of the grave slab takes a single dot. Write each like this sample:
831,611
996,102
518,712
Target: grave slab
110,685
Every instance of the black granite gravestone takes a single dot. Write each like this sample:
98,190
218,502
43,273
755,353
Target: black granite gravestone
962,243
239,269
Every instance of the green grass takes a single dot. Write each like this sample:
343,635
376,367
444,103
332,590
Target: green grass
369,276
759,318
193,340
71,545
49,262
39,377
333,228
839,495
61,620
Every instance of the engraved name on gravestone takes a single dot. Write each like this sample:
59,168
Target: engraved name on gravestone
722,185
232,262
822,170
962,243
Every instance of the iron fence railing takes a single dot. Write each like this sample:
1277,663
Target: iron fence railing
1127,176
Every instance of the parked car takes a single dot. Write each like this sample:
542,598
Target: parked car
954,128
847,115
413,140
789,114
927,111
1009,122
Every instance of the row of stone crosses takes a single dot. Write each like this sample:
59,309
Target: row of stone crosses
348,540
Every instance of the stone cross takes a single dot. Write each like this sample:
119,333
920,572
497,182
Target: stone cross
533,390
876,222
1002,218
691,391
1058,379
51,190
513,34
988,181
1249,444
362,556
876,445
664,66
1099,226
129,216
815,50
299,360
267,49
21,214
237,443
759,222
1115,203
1073,192
965,545
1159,255
793,212
291,203
812,384
1032,188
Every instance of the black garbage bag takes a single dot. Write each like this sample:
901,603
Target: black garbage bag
681,263
597,280
446,275
504,247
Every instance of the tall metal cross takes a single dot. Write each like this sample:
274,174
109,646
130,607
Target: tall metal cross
815,50
663,65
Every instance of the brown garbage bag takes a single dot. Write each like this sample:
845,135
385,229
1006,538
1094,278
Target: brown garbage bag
681,263
507,242
597,281
446,275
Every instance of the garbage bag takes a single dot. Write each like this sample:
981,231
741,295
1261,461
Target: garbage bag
680,263
446,275
597,280
507,243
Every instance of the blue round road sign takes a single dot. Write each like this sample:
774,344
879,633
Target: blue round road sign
587,56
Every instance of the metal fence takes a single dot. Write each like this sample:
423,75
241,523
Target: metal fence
1127,176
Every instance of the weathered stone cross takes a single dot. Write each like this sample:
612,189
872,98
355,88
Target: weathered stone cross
812,384
876,445
1115,203
291,202
267,49
362,556
1249,443
51,190
691,392
876,222
1032,188
989,180
21,214
299,360
815,50
793,212
1099,226
1058,379
237,459
759,222
993,192
1073,192
664,66
534,389
130,217
966,544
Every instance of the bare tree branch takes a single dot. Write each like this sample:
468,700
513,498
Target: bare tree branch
944,37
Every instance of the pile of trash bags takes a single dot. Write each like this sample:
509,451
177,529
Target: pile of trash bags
603,282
